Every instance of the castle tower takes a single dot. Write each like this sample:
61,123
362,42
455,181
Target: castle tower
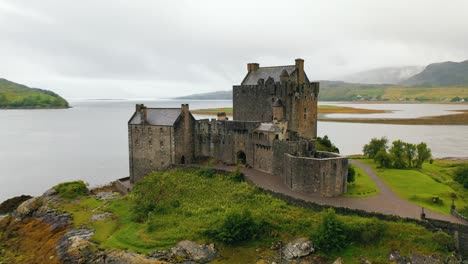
278,110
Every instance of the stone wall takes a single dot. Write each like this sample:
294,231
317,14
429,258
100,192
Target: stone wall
151,148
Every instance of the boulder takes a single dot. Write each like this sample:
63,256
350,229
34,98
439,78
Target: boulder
98,217
420,259
196,252
75,247
297,248
11,204
397,258
29,207
49,193
125,257
338,261
107,195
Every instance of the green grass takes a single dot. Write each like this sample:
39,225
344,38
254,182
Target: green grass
201,204
363,186
421,186
13,95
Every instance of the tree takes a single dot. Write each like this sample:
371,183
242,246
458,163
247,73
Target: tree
397,152
461,176
331,233
424,153
383,158
324,144
410,152
351,174
374,146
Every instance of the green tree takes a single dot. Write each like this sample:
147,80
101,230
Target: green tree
351,174
397,152
461,176
383,158
423,154
331,233
410,152
374,146
324,144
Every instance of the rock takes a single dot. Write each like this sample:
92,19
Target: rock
196,252
365,261
28,208
11,204
98,217
397,258
300,247
49,193
420,259
125,257
75,247
107,195
338,261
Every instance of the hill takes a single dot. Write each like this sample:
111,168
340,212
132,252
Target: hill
218,95
441,74
14,95
387,75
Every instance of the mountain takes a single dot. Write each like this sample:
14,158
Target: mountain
218,95
441,74
14,95
388,75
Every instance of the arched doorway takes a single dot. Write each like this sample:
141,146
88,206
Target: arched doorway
241,159
182,160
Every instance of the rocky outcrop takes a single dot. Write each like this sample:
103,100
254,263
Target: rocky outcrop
298,248
11,204
187,252
415,258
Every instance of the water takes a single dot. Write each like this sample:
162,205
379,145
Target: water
40,148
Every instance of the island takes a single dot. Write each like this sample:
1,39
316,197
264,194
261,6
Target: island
18,96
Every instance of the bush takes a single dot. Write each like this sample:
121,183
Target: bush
461,176
324,144
206,172
237,175
151,194
331,234
366,232
351,174
237,227
71,190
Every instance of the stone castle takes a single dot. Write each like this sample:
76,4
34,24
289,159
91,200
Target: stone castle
273,129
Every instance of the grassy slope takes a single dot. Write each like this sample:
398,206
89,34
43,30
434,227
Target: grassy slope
420,186
202,202
363,186
13,95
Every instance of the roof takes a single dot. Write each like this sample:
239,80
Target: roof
265,72
158,116
267,127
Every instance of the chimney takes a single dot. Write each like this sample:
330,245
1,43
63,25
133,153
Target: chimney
252,67
300,71
141,108
185,109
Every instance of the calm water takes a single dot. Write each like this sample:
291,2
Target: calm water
40,148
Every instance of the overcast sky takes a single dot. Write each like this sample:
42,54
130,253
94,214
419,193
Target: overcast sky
157,49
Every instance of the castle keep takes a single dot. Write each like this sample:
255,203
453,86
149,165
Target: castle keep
274,126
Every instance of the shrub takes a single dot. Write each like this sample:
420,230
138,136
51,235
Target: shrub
237,175
331,234
71,190
374,146
324,144
366,232
237,227
351,174
206,172
151,194
443,241
461,176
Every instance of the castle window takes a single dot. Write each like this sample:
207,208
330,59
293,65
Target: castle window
276,136
161,143
273,100
150,143
305,116
161,130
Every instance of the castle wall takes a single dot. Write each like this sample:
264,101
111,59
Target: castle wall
253,103
151,148
184,146
325,176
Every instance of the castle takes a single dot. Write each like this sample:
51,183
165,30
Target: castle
273,130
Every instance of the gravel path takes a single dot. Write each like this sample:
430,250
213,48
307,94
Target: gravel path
386,202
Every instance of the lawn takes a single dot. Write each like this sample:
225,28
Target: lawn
197,204
363,186
421,187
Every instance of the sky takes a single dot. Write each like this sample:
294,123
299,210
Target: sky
161,49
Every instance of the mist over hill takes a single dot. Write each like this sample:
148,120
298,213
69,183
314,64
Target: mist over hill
441,74
218,95
387,75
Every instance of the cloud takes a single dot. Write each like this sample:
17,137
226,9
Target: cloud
163,48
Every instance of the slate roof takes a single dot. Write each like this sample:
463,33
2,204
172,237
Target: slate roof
265,72
158,116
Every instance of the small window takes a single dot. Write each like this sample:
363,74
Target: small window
161,130
161,143
305,116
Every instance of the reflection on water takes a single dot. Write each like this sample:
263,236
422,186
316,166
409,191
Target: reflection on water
40,148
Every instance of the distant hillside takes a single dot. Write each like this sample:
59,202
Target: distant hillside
14,95
218,95
388,75
342,91
441,74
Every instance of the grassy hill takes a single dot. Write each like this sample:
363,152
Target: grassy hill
218,95
441,74
14,95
